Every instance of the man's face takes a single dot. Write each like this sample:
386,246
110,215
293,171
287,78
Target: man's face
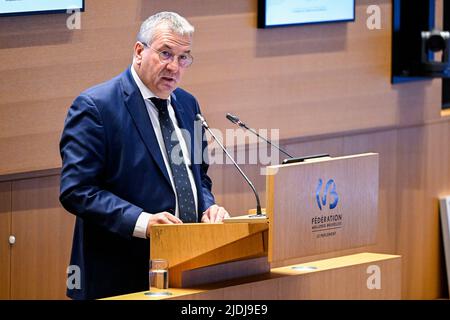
161,78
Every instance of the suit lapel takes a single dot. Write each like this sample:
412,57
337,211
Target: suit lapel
138,111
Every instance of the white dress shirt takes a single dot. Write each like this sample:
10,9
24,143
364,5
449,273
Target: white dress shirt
142,222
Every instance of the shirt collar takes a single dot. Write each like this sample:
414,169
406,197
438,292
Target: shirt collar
145,91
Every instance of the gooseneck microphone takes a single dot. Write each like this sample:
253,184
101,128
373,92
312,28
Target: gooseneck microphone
205,125
236,120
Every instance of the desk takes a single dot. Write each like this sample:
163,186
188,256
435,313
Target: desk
345,277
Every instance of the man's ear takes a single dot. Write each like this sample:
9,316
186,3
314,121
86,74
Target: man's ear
138,50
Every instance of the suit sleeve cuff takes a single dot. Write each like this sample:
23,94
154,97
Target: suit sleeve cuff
140,229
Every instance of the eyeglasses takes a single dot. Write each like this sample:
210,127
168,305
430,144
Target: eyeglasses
166,57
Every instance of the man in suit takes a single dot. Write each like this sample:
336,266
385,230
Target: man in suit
128,162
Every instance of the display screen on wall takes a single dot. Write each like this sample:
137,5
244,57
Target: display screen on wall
19,7
274,13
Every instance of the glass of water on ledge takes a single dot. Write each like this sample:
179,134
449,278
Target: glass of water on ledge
159,273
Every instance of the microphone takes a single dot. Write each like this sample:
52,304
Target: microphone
205,125
291,159
236,120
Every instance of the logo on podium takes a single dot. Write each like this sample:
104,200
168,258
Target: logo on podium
329,191
325,225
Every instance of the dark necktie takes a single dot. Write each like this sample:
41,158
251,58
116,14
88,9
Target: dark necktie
185,196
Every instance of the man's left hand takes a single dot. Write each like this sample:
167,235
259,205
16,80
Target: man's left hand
214,214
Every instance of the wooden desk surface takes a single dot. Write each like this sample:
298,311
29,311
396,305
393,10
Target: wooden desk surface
302,270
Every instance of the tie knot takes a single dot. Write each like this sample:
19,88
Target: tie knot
160,104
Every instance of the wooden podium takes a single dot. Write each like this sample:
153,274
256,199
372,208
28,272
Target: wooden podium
322,205
313,207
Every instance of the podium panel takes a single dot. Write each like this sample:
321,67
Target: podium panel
328,204
192,247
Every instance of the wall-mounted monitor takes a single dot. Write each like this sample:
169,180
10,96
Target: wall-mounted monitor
22,7
276,13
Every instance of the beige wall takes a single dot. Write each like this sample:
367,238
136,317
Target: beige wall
327,87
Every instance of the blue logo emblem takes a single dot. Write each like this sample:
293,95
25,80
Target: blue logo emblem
330,188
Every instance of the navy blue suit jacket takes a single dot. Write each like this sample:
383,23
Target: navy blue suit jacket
113,170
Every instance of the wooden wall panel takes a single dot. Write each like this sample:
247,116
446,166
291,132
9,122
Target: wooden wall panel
5,232
43,231
316,79
45,66
306,80
385,144
422,176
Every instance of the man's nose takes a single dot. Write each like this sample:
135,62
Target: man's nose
174,65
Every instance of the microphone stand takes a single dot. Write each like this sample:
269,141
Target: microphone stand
258,203
236,120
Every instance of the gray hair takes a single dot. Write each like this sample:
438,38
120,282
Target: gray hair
172,20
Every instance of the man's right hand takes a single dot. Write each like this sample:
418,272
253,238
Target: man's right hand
162,218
